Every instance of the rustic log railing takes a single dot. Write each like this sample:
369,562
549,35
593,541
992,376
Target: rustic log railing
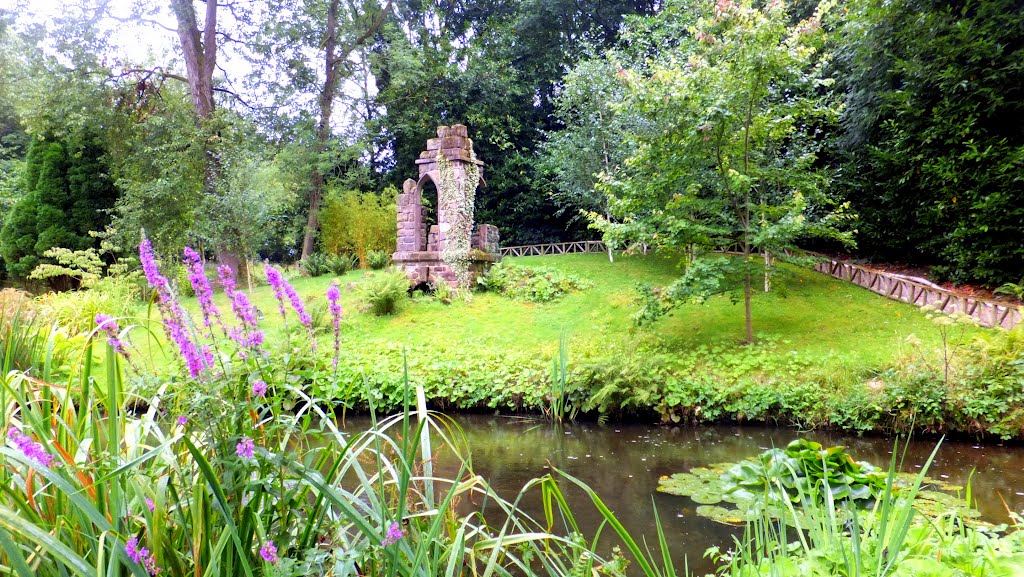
986,312
583,246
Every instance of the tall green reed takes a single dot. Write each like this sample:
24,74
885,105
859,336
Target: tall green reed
130,482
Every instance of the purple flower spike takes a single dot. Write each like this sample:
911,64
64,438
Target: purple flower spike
248,335
150,268
150,505
174,319
201,286
107,324
259,389
141,556
182,420
277,283
269,553
334,306
394,534
30,448
132,549
283,289
245,448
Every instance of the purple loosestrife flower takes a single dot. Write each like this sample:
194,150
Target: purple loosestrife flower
151,269
182,420
133,551
107,324
30,448
259,389
141,556
150,505
277,283
269,553
245,448
334,306
201,286
394,534
174,319
248,336
283,289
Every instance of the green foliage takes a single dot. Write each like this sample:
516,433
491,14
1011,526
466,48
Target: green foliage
595,138
385,292
444,293
75,311
67,193
898,536
927,157
778,475
340,264
727,158
533,284
794,483
358,223
560,408
1015,290
179,478
378,259
316,264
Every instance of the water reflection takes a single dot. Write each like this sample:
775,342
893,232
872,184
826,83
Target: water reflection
623,464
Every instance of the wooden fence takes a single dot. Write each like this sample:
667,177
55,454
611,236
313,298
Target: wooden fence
584,246
987,313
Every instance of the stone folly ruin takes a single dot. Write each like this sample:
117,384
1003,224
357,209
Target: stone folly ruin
438,242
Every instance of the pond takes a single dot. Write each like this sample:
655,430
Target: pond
624,462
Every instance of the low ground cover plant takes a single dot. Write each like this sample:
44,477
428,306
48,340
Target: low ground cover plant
533,284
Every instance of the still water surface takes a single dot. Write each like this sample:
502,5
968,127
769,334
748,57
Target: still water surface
623,464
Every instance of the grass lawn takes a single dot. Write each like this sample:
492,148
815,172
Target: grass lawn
810,313
821,342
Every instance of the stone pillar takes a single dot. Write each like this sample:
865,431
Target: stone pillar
410,218
420,251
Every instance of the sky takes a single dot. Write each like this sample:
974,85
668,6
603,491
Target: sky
136,41
156,42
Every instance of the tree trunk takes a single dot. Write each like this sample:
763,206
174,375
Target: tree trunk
199,48
326,102
748,311
323,128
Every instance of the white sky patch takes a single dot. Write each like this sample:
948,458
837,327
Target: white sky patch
148,38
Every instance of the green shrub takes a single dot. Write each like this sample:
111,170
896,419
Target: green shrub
340,264
444,293
358,222
178,275
378,259
533,284
384,292
315,265
76,310
316,307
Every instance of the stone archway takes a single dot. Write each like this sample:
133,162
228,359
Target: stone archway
420,247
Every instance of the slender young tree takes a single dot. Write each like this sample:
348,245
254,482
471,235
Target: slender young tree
727,158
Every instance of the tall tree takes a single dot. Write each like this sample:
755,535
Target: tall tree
68,194
930,155
337,51
726,159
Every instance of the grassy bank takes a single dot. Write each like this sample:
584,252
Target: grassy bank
829,354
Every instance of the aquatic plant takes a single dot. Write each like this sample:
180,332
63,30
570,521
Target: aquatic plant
773,481
821,538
